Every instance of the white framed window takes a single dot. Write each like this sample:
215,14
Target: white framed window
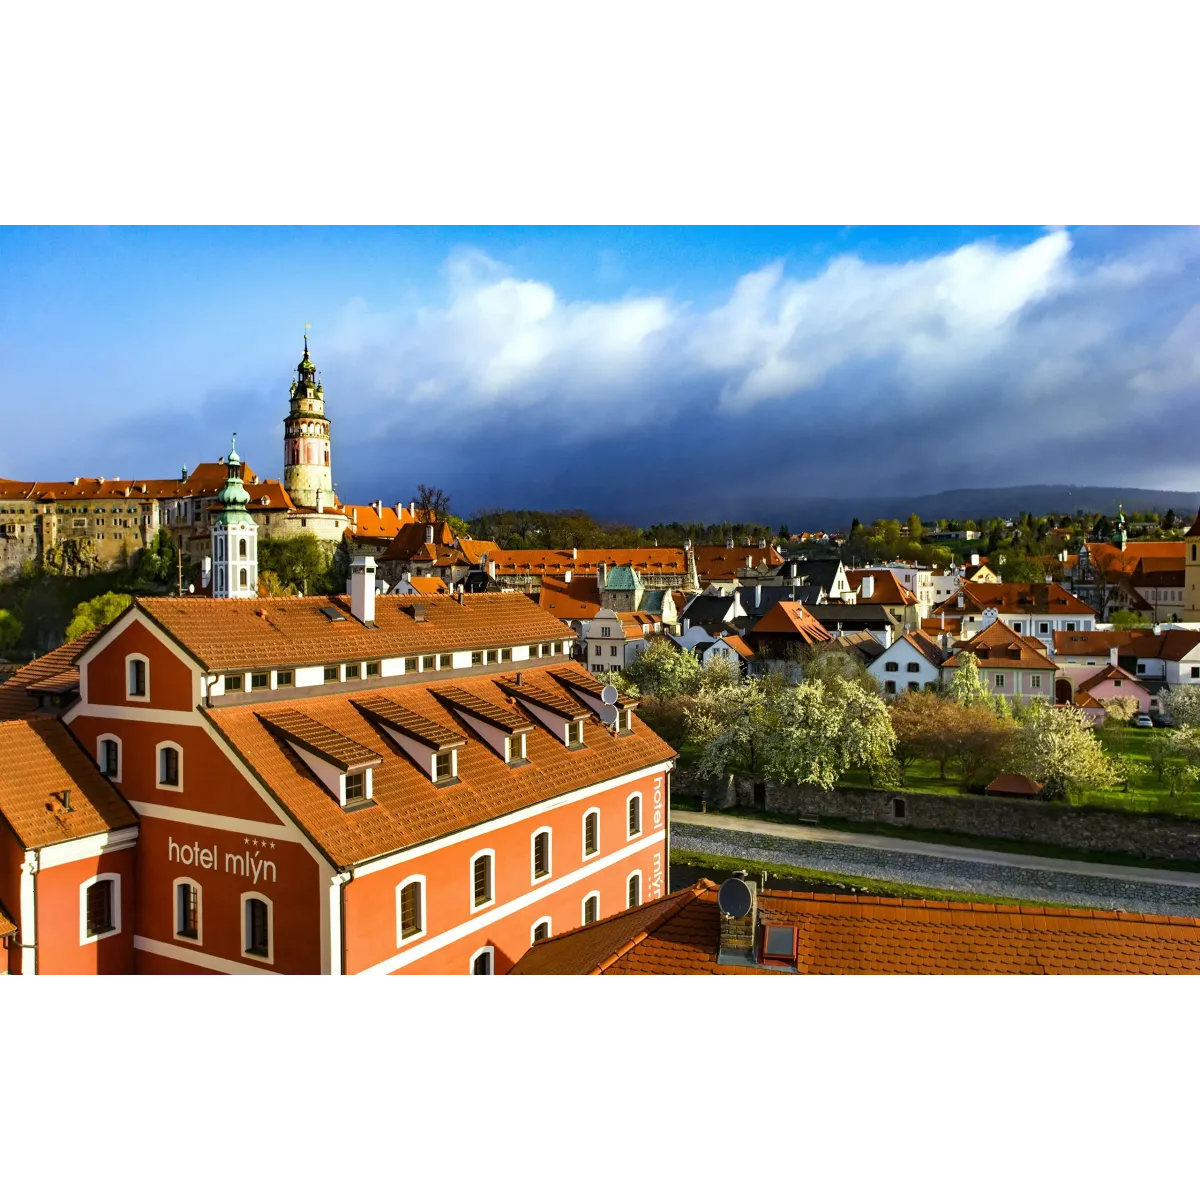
999,680
633,808
591,908
108,755
483,879
99,907
137,678
633,889
483,962
188,915
540,930
540,863
591,833
410,910
168,767
258,927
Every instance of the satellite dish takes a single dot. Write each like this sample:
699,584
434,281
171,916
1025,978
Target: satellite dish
734,898
609,714
608,694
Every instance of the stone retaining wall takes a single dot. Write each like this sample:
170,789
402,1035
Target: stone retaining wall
1145,835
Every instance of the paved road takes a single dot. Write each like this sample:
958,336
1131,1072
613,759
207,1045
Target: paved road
961,868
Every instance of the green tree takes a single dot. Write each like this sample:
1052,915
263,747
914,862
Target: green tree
11,629
967,687
915,528
458,526
1128,619
158,562
95,613
1168,522
302,564
1058,747
1120,708
661,671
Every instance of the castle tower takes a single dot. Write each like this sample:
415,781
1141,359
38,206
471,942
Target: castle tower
1191,572
307,474
234,538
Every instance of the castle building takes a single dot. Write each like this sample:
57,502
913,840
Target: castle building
319,785
1191,572
307,474
234,538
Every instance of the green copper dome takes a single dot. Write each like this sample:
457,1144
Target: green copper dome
233,496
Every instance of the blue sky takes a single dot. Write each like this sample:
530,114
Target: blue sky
640,372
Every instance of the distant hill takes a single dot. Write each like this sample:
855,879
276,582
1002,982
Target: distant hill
979,504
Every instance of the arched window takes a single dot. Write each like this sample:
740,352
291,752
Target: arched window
633,889
591,832
108,755
257,919
635,814
483,961
241,547
410,909
99,907
187,911
242,577
170,766
591,908
540,930
137,677
483,869
540,854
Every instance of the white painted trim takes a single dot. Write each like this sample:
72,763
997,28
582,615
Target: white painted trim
541,921
594,895
115,712
183,954
111,876
401,940
523,814
188,816
641,890
158,783
88,847
533,878
527,900
27,917
640,814
487,951
269,957
198,940
101,738
583,834
491,880
130,659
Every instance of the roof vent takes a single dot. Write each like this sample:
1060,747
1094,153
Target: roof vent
65,797
418,612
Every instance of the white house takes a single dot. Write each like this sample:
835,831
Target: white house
1030,609
912,663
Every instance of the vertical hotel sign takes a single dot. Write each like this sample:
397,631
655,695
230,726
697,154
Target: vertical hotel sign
656,876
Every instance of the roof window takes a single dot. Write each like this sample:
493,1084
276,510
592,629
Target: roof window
779,945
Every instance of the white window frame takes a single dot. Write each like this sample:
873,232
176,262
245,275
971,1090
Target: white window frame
490,953
269,957
535,879
471,880
198,940
508,755
549,924
158,749
401,940
629,837
583,908
110,737
115,878
583,835
641,890
129,696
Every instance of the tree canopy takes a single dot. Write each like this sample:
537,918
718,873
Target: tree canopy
92,614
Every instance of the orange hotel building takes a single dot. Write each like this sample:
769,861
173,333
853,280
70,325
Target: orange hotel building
386,784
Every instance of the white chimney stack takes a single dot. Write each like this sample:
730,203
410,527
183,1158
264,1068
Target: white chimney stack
567,575
1112,656
429,534
362,589
974,560
574,551
378,507
601,575
960,598
868,587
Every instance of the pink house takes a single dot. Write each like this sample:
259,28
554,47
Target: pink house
1112,683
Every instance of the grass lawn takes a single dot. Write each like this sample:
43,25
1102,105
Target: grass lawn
720,864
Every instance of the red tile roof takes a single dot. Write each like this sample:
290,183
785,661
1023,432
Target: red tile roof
711,561
293,631
1171,645
39,760
409,808
365,522
578,600
1110,672
1027,598
429,585
1093,641
410,541
999,646
791,617
888,589
57,666
851,935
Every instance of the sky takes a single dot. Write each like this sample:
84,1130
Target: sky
640,373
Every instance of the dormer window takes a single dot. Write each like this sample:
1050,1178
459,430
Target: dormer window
353,670
343,766
515,747
574,735
444,766
356,786
428,662
506,654
371,670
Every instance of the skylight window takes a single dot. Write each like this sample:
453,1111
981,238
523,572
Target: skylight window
333,614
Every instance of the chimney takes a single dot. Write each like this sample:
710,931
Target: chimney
749,561
418,612
729,543
574,551
762,543
378,507
1112,656
601,575
1156,630
65,795
414,510
362,589
429,534
757,596
738,933
687,624
868,587
492,567
567,575
974,560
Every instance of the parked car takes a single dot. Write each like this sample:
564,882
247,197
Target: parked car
1161,720
1142,721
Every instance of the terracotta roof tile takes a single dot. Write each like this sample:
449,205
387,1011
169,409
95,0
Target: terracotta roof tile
7,925
292,630
791,617
579,599
409,808
39,760
999,646
58,665
1026,598
395,716
318,739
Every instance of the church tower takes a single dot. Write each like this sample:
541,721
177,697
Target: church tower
1191,572
307,474
234,538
